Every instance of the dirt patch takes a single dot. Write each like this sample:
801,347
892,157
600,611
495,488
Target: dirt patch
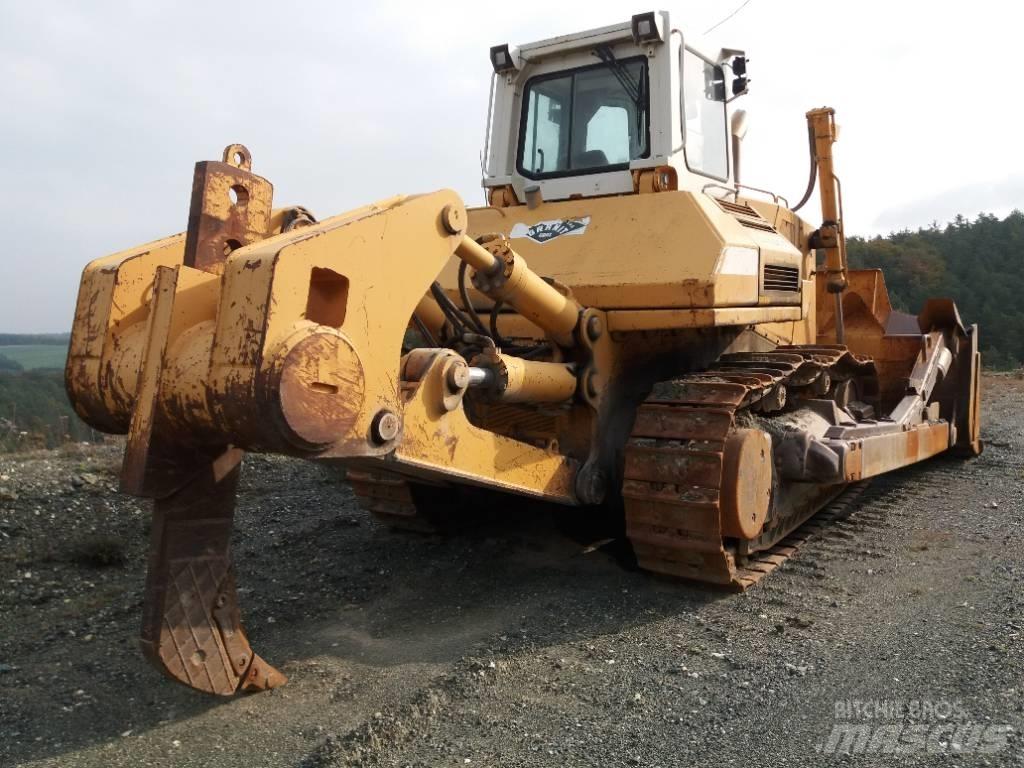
510,646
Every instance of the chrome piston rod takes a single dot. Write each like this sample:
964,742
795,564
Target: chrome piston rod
480,377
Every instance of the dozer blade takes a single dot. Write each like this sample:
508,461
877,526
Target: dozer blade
191,627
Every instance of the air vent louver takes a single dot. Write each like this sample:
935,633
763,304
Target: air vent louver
780,278
745,215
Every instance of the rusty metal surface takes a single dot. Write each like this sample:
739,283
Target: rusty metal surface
763,563
745,495
231,207
295,348
967,407
191,626
878,454
162,439
867,312
696,486
439,445
672,478
320,389
352,277
389,498
271,331
104,354
192,623
695,499
137,470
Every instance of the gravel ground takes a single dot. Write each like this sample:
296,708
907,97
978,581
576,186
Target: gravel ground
511,645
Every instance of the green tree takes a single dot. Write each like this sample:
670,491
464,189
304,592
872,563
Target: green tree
6,364
978,263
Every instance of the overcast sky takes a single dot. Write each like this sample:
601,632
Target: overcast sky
106,106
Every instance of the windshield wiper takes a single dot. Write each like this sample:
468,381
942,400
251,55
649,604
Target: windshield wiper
633,88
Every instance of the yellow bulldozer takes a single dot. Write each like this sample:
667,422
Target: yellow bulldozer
624,327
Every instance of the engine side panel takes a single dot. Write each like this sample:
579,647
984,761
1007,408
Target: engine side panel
669,250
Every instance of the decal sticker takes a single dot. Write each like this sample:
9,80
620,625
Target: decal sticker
545,231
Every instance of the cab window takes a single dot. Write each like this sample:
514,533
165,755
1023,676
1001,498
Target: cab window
585,120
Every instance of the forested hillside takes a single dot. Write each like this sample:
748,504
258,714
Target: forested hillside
55,339
978,263
34,409
35,412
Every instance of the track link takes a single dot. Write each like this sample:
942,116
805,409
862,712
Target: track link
389,498
675,469
760,564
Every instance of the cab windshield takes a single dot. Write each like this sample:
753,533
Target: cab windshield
585,120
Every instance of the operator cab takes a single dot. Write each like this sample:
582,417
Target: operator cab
626,108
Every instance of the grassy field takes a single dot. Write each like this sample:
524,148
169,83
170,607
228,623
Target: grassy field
34,356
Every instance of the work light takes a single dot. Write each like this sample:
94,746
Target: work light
504,58
647,28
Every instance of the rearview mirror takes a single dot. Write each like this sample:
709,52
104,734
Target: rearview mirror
555,112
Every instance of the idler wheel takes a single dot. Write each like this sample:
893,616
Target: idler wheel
746,490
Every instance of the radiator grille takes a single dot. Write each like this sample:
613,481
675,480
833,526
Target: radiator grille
780,278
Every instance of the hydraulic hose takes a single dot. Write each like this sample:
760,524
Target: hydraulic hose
814,172
464,295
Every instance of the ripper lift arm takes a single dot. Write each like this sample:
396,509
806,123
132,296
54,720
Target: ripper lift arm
266,330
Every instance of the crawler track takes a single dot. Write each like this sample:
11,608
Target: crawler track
675,469
389,498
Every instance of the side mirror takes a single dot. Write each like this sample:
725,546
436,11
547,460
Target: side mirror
715,91
714,83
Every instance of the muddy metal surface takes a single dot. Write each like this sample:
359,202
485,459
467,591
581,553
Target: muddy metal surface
509,645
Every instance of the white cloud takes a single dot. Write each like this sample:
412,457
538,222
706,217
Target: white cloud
107,106
999,197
